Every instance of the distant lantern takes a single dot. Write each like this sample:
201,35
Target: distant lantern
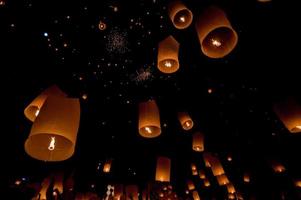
278,167
54,132
58,182
193,167
202,174
246,177
163,169
198,142
195,195
206,182
131,192
102,25
194,172
118,191
216,167
168,52
216,35
222,179
231,196
33,109
289,112
45,185
207,157
185,120
190,185
230,188
179,14
149,119
298,183
107,166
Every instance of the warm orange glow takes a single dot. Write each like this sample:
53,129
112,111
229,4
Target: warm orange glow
298,183
278,168
222,179
246,178
206,183
187,191
195,195
229,158
198,142
194,172
148,130
216,42
37,112
190,185
231,196
107,166
84,96
163,169
179,14
185,120
167,64
131,192
193,167
230,188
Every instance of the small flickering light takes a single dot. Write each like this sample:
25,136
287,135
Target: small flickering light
216,42
92,186
51,144
187,124
298,183
161,194
182,19
229,158
54,193
18,182
210,91
167,64
37,113
298,127
84,96
187,191
148,130
102,26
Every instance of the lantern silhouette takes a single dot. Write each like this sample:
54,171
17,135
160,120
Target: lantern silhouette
207,157
185,120
206,182
149,119
198,142
222,179
289,112
195,195
163,169
54,132
168,52
58,182
179,14
131,192
45,185
190,185
107,166
33,109
230,188
216,35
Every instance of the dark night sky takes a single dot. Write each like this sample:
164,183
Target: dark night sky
58,42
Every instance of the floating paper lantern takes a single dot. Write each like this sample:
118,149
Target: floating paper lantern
185,120
149,119
202,174
222,179
231,196
298,183
289,112
246,177
107,166
58,182
131,192
102,26
278,167
168,52
207,157
45,185
33,109
206,182
179,14
216,35
190,185
216,167
163,169
230,188
193,167
54,132
198,142
194,172
195,195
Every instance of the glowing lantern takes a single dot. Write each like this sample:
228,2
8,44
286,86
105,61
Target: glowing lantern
207,157
131,192
194,172
185,120
198,142
149,119
289,112
193,167
33,109
202,174
45,185
190,185
216,167
231,196
278,167
102,26
179,14
195,195
206,183
168,51
222,179
246,178
53,134
230,188
163,169
58,182
298,183
107,166
216,35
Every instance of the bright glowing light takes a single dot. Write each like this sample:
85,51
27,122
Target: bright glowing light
298,127
187,124
52,144
18,182
46,34
148,129
168,64
229,158
216,43
182,19
37,113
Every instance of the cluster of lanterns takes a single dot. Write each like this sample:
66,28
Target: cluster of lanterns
216,36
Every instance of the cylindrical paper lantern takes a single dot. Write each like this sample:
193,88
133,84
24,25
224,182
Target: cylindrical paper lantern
179,14
131,192
206,182
231,196
216,167
190,185
45,185
216,35
207,157
149,119
185,120
58,182
193,167
107,166
33,109
246,177
277,167
194,172
163,169
198,142
230,188
53,134
168,52
298,183
202,174
102,25
195,195
222,179
289,112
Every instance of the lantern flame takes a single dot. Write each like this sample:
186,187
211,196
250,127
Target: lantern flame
168,64
148,130
52,144
216,42
182,19
37,113
187,124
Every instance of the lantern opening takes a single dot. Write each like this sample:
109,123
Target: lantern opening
182,18
219,41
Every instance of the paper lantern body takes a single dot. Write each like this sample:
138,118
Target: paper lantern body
180,15
131,192
222,179
195,195
163,169
185,120
32,110
246,177
289,112
190,185
216,35
198,142
57,123
149,119
230,188
107,166
202,174
168,52
206,182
